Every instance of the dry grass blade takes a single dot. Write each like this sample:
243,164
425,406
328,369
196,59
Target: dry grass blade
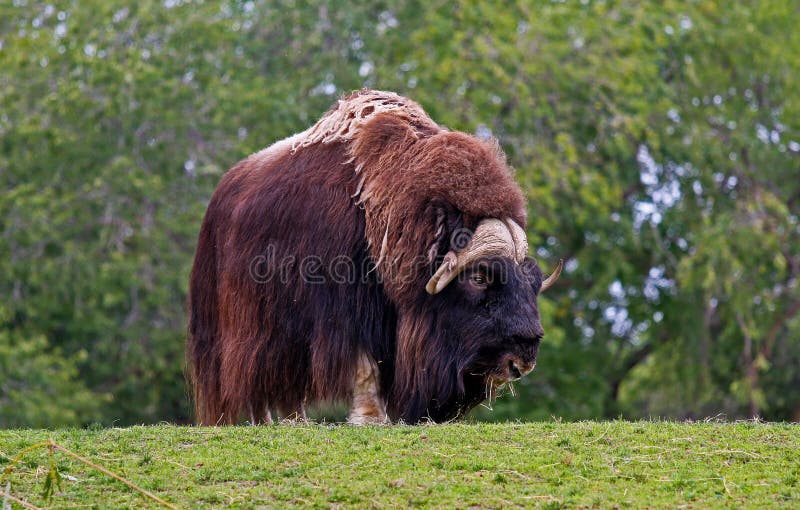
113,475
7,496
53,478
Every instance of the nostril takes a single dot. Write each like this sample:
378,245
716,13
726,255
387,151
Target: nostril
514,370
525,339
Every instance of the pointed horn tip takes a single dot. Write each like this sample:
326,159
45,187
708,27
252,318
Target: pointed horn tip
434,287
443,275
553,277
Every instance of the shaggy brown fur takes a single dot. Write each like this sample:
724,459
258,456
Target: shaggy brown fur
375,182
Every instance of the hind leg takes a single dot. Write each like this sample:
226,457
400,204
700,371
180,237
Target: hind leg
368,408
294,415
260,418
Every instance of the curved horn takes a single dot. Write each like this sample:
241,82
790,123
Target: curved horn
553,277
520,240
492,237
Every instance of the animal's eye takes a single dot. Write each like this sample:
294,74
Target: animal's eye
479,279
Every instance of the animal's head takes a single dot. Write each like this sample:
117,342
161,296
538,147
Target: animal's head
484,296
482,318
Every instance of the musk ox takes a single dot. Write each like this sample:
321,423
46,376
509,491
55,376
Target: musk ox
376,258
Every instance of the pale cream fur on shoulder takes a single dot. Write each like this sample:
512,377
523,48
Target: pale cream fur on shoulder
343,122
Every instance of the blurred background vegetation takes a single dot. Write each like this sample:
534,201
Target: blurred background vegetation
658,145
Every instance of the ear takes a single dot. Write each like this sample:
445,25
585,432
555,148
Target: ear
447,223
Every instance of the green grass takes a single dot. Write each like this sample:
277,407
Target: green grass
545,465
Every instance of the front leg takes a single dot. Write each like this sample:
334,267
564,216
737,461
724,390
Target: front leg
368,407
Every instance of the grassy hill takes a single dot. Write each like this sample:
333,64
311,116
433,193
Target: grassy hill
546,465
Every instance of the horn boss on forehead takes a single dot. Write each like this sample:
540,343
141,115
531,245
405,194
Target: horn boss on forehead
492,237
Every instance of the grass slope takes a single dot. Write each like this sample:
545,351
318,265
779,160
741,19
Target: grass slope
547,465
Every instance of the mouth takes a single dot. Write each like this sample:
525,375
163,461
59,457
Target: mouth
513,370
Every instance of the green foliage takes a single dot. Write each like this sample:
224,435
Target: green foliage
658,145
549,465
41,386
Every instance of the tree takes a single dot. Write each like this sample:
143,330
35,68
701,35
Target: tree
658,147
